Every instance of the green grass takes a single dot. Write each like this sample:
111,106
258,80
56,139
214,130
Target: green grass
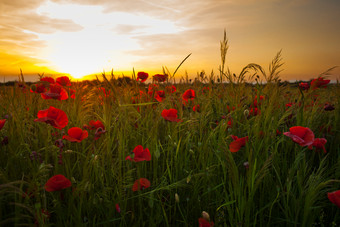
284,185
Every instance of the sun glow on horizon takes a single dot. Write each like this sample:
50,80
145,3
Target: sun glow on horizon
101,43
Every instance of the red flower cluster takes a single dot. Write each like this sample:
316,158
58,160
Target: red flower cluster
319,83
106,93
170,115
305,137
38,88
254,111
57,183
140,154
142,76
260,100
170,89
304,86
160,96
301,135
236,145
53,116
55,92
76,134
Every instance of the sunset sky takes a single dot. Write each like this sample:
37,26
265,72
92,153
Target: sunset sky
81,37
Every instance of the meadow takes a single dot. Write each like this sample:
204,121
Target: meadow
212,151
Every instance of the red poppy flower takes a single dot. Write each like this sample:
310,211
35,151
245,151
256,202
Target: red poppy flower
319,143
63,81
96,124
204,223
170,89
151,89
140,184
319,82
140,154
48,79
334,197
196,108
160,77
278,132
117,208
304,86
72,93
170,115
236,145
2,123
290,104
106,93
55,92
232,109
160,96
205,90
254,111
301,135
188,94
38,88
230,123
76,134
57,183
142,76
53,116
260,100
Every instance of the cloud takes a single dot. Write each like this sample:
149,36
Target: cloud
127,29
11,64
20,26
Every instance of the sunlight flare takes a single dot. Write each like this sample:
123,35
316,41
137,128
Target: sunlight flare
103,42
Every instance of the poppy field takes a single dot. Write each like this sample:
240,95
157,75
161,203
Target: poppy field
202,152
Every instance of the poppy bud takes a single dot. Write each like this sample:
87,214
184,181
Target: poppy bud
118,208
246,165
176,198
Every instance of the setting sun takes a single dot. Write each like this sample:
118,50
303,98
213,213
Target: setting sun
103,42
